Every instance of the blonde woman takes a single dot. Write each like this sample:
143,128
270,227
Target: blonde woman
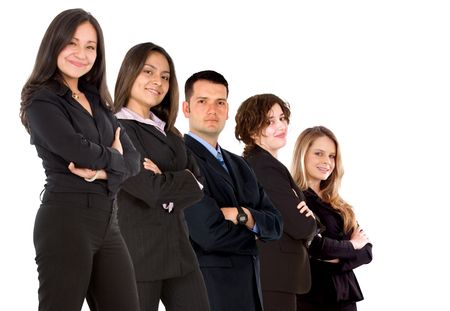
343,246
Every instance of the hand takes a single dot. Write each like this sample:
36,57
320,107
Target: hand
303,208
230,213
116,143
150,166
336,260
86,172
359,238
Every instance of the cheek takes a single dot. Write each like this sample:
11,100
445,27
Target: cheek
92,57
269,131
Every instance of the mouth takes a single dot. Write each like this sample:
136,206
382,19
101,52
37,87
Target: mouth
77,64
323,170
281,136
153,91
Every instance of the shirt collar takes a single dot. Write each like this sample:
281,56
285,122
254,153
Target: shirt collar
128,114
211,149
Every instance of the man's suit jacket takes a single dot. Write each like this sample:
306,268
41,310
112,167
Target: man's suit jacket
284,263
158,240
227,253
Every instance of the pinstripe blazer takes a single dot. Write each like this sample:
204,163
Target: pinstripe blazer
151,205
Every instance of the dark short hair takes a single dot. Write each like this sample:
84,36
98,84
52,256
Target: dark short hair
208,75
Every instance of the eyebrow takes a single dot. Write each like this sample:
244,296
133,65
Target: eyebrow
151,66
318,149
91,41
272,116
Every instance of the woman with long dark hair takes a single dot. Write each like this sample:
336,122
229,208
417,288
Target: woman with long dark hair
151,203
65,108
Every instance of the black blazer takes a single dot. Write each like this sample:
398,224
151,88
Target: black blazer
284,263
157,239
218,243
63,132
333,282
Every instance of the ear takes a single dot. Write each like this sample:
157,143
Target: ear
186,110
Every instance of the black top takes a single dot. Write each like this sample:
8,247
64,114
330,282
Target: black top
284,263
63,132
333,282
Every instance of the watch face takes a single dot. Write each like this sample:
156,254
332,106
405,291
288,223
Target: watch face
242,218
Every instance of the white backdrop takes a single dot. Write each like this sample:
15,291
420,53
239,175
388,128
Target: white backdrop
376,72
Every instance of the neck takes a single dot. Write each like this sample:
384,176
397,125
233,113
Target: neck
315,186
141,110
72,84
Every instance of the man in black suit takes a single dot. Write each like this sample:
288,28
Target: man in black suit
234,212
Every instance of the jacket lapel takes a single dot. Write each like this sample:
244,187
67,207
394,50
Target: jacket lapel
210,160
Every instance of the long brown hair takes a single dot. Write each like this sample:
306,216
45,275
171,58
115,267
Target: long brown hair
252,117
59,33
330,187
131,67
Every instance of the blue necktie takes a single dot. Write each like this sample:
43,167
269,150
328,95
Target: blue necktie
221,161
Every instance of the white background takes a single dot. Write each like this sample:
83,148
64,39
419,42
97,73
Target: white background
376,72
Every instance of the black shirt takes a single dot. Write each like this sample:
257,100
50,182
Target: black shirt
63,132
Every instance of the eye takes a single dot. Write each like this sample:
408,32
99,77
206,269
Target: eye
332,156
91,47
222,103
147,71
167,78
318,153
72,43
201,101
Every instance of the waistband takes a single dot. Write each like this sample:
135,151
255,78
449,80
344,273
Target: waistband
79,199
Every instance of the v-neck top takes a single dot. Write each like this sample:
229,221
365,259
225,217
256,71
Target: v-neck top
63,131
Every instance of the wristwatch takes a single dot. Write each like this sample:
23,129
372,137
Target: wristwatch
241,217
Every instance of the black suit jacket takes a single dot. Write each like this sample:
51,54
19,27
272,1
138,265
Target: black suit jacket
332,282
227,253
158,241
284,263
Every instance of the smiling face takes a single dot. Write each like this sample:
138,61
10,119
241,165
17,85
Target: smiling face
78,57
320,160
207,110
151,85
273,136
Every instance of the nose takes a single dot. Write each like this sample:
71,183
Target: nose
281,125
157,80
80,53
211,109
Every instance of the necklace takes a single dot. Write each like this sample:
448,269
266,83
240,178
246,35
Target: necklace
76,95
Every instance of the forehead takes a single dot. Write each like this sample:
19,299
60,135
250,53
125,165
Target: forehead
86,31
158,60
204,88
324,143
275,110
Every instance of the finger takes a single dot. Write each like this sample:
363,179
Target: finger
117,134
301,204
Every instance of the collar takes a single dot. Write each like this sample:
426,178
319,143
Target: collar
128,114
211,149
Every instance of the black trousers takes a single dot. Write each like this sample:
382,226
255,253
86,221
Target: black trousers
280,301
185,293
80,253
337,306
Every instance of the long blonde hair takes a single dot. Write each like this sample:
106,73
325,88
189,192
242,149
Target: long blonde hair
329,188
